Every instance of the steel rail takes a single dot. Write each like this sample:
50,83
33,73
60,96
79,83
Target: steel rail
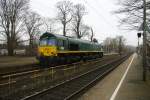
70,88
38,69
17,76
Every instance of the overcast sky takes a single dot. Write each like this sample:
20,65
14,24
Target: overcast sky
100,17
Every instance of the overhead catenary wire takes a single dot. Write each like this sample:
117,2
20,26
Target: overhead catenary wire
99,14
102,9
101,6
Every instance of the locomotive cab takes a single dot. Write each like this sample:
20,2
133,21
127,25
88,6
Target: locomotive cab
47,45
47,49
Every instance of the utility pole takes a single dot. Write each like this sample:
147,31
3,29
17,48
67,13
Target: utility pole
144,40
120,45
138,42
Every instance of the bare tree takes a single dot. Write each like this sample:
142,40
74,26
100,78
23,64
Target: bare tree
116,44
92,35
32,23
11,13
64,13
133,11
106,43
78,13
92,39
121,44
84,31
49,24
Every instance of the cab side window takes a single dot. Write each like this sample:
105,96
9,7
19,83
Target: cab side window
73,46
61,44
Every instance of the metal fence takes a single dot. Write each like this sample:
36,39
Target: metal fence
22,49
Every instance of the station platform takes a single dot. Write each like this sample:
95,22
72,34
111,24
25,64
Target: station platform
123,83
8,61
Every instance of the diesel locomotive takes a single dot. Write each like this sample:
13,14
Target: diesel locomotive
58,49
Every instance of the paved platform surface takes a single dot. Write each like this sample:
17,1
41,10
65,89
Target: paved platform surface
8,61
124,83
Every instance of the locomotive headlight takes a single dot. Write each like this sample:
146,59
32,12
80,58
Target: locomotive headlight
40,51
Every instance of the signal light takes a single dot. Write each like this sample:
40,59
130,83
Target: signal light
139,35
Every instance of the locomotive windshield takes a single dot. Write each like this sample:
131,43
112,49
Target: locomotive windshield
43,42
50,42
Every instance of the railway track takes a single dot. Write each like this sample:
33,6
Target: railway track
13,78
18,69
36,68
25,69
36,81
75,86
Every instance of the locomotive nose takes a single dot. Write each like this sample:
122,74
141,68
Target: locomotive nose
48,51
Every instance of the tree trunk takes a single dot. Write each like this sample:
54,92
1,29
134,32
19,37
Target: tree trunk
11,40
31,46
92,34
120,46
10,47
64,30
78,34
